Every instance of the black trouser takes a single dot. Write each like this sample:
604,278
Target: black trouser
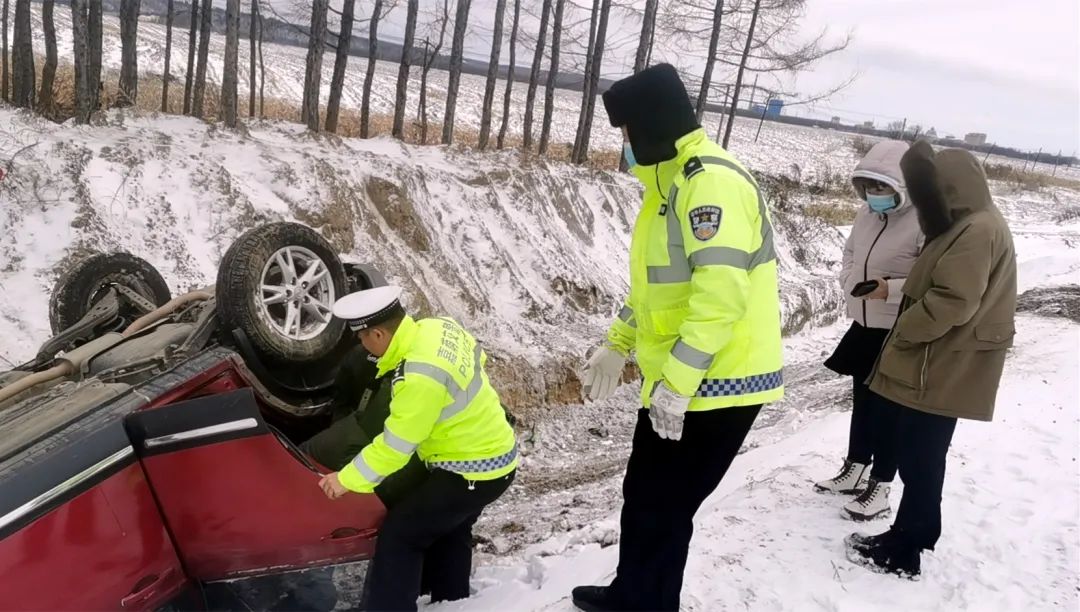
872,437
429,531
666,482
923,444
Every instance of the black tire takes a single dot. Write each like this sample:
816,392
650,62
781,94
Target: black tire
239,292
82,285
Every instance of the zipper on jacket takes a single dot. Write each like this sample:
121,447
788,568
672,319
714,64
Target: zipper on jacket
866,265
922,374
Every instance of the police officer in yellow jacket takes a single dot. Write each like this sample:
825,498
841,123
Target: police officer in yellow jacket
703,319
445,410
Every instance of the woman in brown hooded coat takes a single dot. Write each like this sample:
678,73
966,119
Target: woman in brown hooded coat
944,358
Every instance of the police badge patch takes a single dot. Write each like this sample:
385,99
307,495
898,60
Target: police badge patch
705,221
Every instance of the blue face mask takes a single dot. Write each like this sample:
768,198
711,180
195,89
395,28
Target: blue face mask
628,153
881,203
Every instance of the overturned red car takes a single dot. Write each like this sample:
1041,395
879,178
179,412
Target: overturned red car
150,445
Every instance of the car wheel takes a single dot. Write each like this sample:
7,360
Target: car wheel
85,282
277,283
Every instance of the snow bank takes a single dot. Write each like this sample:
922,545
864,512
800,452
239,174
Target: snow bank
531,255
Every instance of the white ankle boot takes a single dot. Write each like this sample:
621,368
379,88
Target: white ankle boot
848,481
874,502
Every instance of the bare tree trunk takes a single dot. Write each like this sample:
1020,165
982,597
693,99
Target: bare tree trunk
739,74
309,108
552,77
534,76
430,54
229,77
337,82
82,61
4,76
644,50
262,70
48,72
170,16
510,76
369,76
401,98
94,34
594,15
648,27
22,65
189,76
199,92
492,75
421,110
457,56
253,33
710,60
129,66
585,131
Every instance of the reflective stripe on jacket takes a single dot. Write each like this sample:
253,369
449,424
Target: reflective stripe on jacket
443,408
704,310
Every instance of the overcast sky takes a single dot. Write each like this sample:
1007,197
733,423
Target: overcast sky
1004,67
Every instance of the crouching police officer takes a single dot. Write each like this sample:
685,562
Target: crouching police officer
445,410
703,318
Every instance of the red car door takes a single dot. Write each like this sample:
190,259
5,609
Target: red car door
238,498
79,529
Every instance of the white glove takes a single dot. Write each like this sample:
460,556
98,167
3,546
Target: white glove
667,411
603,371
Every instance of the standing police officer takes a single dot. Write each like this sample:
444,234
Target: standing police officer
445,410
703,318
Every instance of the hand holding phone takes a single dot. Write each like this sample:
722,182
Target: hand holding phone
864,288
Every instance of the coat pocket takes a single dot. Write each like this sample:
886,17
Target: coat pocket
906,366
991,336
666,322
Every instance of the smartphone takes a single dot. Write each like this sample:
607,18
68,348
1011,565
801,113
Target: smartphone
864,288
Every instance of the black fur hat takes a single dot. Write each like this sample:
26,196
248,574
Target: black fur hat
656,110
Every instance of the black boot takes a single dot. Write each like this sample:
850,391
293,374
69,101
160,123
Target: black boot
886,553
593,598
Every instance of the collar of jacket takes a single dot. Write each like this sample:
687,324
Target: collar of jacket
399,345
660,176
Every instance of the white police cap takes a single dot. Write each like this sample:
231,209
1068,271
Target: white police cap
364,309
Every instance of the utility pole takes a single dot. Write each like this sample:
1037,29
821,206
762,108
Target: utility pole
753,92
720,128
992,145
764,109
1036,162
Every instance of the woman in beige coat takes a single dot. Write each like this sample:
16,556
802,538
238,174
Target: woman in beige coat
883,245
944,358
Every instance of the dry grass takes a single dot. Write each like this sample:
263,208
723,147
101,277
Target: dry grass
862,145
1027,179
835,212
349,120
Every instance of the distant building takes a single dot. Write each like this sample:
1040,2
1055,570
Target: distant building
772,108
836,120
868,125
975,139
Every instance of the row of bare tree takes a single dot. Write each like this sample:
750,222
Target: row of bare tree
743,36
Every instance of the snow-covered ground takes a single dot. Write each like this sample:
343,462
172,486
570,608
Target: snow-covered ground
766,541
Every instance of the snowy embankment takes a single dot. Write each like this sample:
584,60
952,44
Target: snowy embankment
531,256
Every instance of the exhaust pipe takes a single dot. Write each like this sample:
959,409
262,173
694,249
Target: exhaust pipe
167,309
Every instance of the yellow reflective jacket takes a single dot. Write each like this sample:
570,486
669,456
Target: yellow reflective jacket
704,309
443,408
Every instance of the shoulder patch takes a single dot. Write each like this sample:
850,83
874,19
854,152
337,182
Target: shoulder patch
705,221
